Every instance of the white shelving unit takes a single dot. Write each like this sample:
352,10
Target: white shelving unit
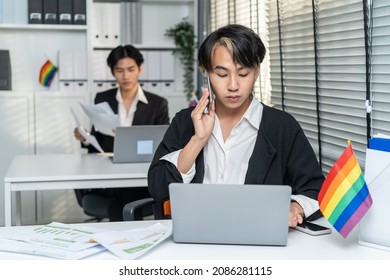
37,120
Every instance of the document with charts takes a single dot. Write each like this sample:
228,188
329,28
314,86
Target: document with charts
55,240
131,244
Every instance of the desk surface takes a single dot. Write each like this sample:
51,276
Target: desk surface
53,167
300,246
67,171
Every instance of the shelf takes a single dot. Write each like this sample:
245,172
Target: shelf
43,27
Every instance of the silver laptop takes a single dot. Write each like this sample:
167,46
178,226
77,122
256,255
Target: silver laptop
137,143
230,214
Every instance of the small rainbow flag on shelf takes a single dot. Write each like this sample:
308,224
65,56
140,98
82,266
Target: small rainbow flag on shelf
344,197
47,72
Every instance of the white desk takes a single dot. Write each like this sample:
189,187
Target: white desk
67,171
300,246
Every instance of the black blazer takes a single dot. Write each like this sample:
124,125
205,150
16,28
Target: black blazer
282,156
153,113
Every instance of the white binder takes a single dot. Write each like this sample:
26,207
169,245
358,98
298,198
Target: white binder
96,25
167,71
153,70
66,70
110,24
80,70
374,227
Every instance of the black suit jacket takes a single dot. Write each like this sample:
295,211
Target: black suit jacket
153,113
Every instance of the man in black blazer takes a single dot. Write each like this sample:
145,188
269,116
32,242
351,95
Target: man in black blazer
239,140
151,113
134,107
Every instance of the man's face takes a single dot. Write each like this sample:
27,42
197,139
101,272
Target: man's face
231,82
126,73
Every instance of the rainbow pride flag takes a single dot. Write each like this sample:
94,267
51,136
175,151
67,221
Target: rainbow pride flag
344,197
47,72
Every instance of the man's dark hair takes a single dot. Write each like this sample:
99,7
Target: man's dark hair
243,43
122,52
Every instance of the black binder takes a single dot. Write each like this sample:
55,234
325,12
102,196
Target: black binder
65,11
79,12
35,10
5,70
50,8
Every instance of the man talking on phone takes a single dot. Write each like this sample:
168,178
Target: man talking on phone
240,140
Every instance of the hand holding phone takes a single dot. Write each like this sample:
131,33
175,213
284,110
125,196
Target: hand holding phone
312,229
206,82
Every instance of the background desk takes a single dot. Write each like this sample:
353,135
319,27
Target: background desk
300,246
67,171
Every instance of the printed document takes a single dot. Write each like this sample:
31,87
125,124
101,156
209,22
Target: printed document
72,242
131,244
9,245
54,240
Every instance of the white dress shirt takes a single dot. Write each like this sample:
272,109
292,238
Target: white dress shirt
126,117
227,162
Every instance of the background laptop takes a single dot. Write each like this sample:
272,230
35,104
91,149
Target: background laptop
230,214
137,143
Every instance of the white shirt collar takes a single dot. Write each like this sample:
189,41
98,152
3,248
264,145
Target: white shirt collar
140,96
253,113
125,116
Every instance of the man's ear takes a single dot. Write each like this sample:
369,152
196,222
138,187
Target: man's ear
141,68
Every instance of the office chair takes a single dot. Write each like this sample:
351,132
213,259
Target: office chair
94,205
137,210
97,205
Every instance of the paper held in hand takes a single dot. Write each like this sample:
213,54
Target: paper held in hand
88,137
102,117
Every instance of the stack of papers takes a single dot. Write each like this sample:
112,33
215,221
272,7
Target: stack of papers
74,242
53,240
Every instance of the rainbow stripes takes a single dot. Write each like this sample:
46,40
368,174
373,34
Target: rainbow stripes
47,73
344,196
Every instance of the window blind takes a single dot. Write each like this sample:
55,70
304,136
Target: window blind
380,67
342,78
317,66
251,13
295,41
340,52
219,13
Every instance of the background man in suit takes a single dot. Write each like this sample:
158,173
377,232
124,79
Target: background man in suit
134,107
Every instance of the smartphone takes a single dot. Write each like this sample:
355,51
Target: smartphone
206,83
312,229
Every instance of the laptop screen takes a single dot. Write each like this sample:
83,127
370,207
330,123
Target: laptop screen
137,143
230,214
